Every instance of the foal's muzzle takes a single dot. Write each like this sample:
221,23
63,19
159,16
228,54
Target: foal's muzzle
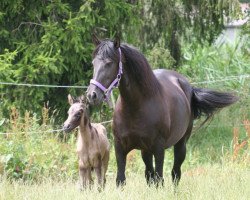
67,127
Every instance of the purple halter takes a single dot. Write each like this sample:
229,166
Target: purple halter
114,84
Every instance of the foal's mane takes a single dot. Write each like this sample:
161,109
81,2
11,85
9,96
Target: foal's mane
136,65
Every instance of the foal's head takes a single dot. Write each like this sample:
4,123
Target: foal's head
78,112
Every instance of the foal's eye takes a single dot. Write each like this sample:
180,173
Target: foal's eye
78,115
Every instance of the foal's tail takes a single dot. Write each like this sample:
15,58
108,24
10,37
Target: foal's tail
207,102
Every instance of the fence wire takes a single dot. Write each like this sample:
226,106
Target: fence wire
227,78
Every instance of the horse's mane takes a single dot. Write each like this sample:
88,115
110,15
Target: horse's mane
136,65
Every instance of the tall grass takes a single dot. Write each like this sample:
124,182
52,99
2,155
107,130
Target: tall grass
214,63
227,182
35,154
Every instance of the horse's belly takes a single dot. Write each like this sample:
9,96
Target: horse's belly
173,140
179,124
134,135
145,143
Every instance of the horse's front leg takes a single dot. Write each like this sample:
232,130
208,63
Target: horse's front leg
121,164
147,158
159,153
85,175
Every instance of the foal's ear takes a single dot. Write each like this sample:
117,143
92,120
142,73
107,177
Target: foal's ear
95,39
83,99
87,110
117,42
70,99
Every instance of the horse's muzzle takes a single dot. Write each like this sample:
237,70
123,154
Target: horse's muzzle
94,95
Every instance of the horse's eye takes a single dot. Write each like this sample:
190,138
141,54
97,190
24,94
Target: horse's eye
78,115
108,65
108,62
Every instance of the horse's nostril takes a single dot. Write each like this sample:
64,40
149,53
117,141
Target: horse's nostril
94,95
66,126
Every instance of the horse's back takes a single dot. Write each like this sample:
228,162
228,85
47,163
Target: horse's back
101,136
175,83
100,128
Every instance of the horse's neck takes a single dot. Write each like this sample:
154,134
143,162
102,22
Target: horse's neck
85,131
131,93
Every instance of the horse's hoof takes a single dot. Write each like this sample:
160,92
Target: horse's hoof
120,184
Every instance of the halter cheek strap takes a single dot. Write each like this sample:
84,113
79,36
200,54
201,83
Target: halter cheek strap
114,84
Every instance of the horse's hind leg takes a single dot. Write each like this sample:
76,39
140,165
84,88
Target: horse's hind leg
149,170
105,167
98,170
179,156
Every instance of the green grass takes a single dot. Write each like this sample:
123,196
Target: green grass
227,182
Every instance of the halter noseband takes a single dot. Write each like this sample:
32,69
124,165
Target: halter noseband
114,84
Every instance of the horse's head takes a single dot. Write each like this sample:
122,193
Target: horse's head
77,111
107,70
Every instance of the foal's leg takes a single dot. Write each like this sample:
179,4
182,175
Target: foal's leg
121,164
89,177
98,170
179,156
105,166
159,153
83,173
149,170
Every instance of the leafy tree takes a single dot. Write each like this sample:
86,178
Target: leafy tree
49,42
166,21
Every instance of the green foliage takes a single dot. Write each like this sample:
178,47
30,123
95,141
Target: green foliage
49,42
160,57
213,63
245,35
6,60
35,152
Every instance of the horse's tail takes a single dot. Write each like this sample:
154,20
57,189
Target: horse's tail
207,102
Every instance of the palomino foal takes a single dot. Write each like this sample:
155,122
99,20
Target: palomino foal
92,142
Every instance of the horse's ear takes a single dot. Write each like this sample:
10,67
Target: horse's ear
117,42
95,39
70,99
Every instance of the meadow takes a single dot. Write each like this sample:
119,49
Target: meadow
229,182
43,165
37,162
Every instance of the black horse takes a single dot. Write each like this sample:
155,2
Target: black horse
155,109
